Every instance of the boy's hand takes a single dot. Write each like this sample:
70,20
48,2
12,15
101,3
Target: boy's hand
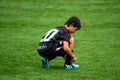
74,59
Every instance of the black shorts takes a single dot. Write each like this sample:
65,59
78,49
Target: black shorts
52,51
52,55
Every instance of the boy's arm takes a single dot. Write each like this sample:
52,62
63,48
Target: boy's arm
68,50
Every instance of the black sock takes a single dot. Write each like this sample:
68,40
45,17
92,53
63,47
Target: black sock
68,59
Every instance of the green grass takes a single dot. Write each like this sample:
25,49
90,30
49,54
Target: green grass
97,44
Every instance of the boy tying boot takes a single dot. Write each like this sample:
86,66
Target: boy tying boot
59,42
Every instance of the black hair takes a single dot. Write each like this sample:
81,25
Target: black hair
75,21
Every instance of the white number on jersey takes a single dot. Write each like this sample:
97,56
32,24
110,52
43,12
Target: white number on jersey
50,34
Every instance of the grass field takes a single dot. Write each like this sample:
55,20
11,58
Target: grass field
97,44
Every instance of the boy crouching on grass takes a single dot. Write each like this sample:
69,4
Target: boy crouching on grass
59,42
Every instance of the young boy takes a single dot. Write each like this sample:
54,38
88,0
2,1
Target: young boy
59,42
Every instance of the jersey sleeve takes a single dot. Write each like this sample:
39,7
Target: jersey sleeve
65,36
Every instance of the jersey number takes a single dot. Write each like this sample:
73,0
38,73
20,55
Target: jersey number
50,34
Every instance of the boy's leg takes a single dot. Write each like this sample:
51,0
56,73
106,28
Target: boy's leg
62,53
68,64
44,59
47,53
68,58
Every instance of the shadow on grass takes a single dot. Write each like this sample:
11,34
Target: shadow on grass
52,67
57,67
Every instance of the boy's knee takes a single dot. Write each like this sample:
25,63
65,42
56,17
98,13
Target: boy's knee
72,40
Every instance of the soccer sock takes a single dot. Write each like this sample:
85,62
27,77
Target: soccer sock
68,59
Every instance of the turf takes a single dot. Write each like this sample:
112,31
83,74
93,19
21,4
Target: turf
97,44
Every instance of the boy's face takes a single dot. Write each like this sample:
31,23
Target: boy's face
72,29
